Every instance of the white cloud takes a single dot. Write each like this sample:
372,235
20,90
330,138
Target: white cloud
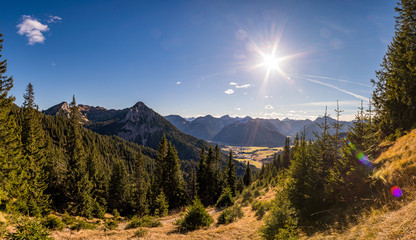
237,109
245,86
233,84
54,19
229,91
268,107
32,29
178,83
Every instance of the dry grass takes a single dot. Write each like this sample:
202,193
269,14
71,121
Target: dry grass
379,224
398,163
244,228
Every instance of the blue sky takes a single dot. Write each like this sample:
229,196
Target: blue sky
198,57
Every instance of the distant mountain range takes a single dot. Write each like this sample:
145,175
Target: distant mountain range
250,132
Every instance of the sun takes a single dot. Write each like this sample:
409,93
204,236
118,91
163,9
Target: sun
271,62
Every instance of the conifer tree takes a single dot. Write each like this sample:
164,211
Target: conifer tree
230,173
286,154
173,183
118,191
10,154
247,178
140,185
193,183
33,143
160,166
78,184
394,96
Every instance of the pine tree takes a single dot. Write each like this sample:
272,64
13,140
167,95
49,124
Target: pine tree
160,166
395,94
118,191
173,183
10,154
140,185
33,143
247,178
78,184
193,183
231,175
286,154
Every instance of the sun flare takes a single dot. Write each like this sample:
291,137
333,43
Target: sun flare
271,62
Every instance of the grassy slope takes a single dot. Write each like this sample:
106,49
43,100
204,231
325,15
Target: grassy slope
395,166
244,228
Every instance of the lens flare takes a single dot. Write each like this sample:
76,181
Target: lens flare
362,158
396,191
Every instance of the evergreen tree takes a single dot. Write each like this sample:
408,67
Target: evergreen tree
118,191
192,183
395,94
78,184
173,183
33,143
247,178
160,166
286,154
11,174
140,185
230,173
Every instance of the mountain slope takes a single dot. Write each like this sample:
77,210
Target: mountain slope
138,124
256,132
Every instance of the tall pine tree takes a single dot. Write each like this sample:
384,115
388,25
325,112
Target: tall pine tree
10,154
78,183
33,143
394,97
140,186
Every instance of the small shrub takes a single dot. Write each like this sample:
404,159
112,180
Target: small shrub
83,225
111,224
226,199
68,219
195,218
161,205
231,214
257,193
141,232
98,210
53,222
28,229
146,221
116,214
261,208
247,196
281,222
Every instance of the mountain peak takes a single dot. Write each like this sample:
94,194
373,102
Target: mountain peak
139,104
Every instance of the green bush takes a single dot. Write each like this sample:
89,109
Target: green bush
247,196
161,205
111,224
141,232
230,214
28,229
83,225
68,219
116,214
146,221
53,222
195,218
261,207
226,199
281,222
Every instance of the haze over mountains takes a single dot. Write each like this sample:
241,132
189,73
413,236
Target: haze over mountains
249,132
